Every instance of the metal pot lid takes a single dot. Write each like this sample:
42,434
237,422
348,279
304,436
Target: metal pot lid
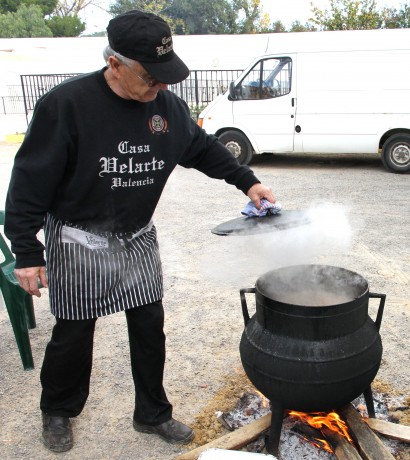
253,225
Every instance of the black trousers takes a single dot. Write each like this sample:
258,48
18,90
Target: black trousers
66,371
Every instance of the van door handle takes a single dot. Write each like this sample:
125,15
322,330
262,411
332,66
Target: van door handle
293,102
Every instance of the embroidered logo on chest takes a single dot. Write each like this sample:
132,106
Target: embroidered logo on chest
158,125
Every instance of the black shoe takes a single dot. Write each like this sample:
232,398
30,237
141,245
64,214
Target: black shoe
171,431
57,433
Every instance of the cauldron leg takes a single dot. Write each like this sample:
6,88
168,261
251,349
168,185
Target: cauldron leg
272,445
368,397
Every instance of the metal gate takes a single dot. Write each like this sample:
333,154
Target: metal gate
34,86
198,90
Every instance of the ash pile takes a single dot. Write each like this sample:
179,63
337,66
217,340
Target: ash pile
298,439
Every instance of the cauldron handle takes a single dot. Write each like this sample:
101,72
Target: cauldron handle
245,311
379,317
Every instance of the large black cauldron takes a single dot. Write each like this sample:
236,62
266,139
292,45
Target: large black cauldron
311,346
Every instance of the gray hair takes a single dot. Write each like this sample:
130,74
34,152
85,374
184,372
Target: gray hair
108,51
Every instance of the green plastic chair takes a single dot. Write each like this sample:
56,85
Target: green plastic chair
18,303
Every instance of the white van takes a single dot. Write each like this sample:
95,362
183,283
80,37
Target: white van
321,92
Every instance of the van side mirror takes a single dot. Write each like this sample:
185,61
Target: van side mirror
232,91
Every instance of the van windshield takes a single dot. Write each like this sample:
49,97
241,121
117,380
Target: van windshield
269,78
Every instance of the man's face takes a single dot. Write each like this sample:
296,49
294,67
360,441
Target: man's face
134,82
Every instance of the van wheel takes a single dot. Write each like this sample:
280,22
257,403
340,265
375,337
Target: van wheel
396,153
238,145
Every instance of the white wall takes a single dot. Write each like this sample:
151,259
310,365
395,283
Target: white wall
22,56
83,54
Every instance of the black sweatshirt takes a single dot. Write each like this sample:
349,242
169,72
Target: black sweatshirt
100,162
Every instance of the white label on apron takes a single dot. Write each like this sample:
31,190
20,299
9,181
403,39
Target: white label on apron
88,240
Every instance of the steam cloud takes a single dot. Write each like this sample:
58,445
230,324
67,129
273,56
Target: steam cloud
242,259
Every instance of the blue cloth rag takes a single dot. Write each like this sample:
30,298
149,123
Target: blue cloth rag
267,209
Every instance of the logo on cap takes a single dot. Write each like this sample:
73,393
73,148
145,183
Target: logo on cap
166,46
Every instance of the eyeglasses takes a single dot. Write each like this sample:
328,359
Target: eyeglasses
149,81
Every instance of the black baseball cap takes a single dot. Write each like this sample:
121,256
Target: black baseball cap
146,38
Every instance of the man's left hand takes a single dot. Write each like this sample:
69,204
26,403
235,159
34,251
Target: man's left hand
259,191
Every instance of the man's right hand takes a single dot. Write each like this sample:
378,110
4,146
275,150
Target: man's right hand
28,279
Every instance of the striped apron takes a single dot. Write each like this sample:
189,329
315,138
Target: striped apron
93,275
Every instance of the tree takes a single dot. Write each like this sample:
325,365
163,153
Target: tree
62,22
65,21
156,6
404,16
27,21
297,26
67,26
264,22
203,16
159,7
71,7
348,14
11,6
396,19
252,14
277,27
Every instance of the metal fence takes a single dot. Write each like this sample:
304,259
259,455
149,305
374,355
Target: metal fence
34,86
202,86
198,90
12,105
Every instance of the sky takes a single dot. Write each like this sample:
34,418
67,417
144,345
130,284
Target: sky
285,11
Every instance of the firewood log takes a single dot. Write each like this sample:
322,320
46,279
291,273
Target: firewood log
369,445
390,430
234,440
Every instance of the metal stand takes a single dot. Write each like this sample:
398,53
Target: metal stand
368,397
272,442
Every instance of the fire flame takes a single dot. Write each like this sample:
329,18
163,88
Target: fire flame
330,420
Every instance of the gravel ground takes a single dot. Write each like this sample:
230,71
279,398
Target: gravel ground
363,225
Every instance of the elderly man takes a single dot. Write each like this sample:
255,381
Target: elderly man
94,162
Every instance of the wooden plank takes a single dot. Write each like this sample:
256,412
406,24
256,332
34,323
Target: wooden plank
342,448
389,429
234,440
369,445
